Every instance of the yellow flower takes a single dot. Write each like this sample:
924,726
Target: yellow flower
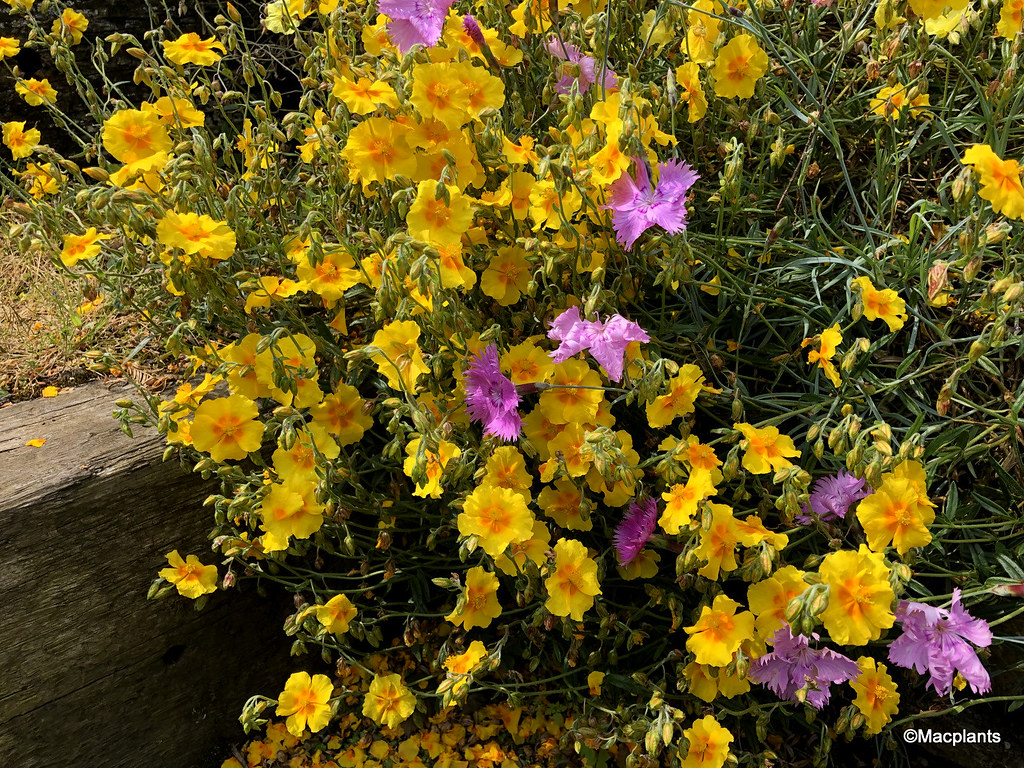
334,274
301,459
191,49
9,47
683,501
435,464
196,234
573,585
766,449
691,92
133,137
398,356
769,597
718,543
1011,19
290,509
571,443
895,514
336,614
74,22
305,701
594,681
78,247
43,179
549,208
36,92
482,89
342,415
497,517
702,31
682,394
707,687
190,576
563,504
859,596
534,549
507,276
481,600
377,150
433,220
464,663
506,468
283,16
828,341
933,9
740,64
568,402
526,363
709,744
364,95
877,698
227,428
609,162
437,92
719,631
177,112
1000,180
296,354
388,702
270,289
883,305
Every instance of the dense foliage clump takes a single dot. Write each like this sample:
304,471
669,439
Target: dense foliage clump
658,363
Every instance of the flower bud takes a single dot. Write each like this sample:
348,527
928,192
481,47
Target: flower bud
972,268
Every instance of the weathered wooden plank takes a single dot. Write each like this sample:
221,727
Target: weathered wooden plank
105,678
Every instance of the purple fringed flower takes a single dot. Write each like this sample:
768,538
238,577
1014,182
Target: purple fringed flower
832,497
606,340
414,22
934,640
793,666
634,530
587,65
572,332
491,397
636,206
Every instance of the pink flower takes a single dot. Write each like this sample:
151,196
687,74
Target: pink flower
793,666
832,497
587,65
634,530
935,640
414,22
491,397
636,206
606,341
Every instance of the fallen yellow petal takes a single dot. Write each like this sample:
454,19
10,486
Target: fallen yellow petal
36,443
50,392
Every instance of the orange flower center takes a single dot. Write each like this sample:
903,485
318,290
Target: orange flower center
571,577
739,68
437,213
188,572
137,137
381,151
438,94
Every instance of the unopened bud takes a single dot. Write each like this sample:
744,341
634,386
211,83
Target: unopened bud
472,28
972,268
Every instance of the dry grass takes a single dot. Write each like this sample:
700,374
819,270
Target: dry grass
49,320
